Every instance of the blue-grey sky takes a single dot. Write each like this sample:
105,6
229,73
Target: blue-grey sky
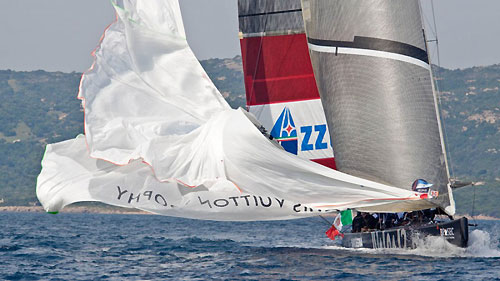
58,35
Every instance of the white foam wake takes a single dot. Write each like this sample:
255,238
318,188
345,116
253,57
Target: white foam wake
480,244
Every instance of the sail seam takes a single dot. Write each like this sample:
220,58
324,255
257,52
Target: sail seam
284,78
273,33
267,102
270,13
326,205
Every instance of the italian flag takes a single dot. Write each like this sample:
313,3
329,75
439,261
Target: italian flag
343,218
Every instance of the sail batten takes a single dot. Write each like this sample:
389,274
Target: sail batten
269,13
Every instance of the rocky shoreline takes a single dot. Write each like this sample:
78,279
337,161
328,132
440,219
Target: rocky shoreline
75,209
119,210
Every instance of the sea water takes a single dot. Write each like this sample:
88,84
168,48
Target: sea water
38,246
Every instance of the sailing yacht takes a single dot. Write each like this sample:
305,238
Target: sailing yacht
373,88
160,137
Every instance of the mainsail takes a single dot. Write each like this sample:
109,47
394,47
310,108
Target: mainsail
159,137
280,87
372,69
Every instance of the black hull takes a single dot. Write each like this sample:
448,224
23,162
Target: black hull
455,232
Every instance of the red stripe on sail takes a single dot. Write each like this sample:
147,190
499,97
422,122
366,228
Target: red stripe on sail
277,69
283,102
328,162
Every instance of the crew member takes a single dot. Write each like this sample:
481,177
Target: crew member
357,223
369,222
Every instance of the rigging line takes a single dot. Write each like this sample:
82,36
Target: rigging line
436,83
473,204
438,93
436,32
327,221
428,23
257,63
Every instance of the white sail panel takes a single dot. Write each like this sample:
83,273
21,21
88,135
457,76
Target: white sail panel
302,124
131,95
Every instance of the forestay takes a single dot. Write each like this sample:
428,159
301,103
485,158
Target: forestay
159,137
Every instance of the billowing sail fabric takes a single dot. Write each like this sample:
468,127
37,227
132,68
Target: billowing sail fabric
373,74
159,137
280,87
130,96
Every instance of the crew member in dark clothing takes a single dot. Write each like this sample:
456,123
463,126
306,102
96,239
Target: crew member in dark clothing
388,220
363,222
358,223
369,222
429,215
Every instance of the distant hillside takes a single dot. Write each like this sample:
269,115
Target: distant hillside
227,75
470,105
471,109
37,108
41,107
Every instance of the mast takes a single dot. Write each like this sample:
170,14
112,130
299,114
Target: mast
451,208
280,87
373,74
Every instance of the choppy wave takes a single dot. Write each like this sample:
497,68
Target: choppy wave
130,247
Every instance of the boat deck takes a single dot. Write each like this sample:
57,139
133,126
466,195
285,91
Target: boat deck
455,232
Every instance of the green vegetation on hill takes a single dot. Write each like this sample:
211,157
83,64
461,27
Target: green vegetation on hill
471,109
37,108
227,75
470,106
40,107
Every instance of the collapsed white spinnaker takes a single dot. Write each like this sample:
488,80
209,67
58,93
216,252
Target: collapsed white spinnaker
159,137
